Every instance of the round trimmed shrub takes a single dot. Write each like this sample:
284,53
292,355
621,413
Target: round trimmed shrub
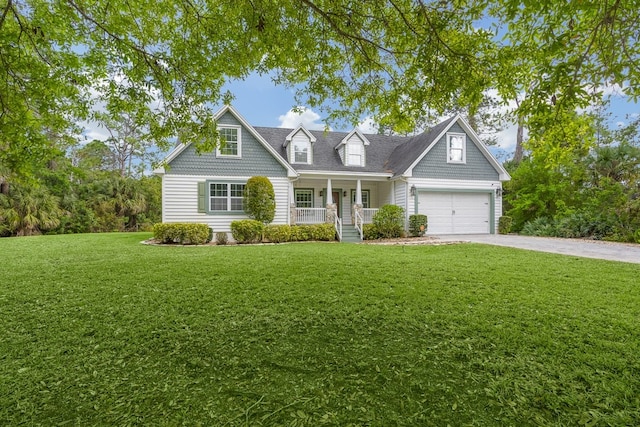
389,220
260,199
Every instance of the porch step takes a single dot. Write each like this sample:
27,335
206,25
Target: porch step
350,235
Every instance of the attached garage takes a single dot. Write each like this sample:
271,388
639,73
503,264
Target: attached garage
456,212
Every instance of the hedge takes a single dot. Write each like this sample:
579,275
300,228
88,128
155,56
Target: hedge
247,231
182,233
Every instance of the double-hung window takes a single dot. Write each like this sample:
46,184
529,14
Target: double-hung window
301,151
456,148
304,198
229,142
225,197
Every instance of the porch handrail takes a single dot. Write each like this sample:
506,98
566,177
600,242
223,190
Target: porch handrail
359,224
367,215
338,225
311,215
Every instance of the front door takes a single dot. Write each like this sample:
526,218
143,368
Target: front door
337,199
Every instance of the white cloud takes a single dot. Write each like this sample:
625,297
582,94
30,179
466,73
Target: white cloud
304,116
368,125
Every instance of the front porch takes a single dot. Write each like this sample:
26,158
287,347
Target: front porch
339,201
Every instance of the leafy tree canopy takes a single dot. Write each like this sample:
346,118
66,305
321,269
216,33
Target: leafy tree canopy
395,60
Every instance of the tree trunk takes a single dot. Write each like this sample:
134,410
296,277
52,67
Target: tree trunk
519,152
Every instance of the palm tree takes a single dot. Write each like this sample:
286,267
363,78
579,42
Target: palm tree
28,210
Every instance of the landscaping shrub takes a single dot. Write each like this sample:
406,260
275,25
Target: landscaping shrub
323,232
247,231
182,233
389,221
504,224
260,199
301,233
417,225
277,233
222,238
370,232
307,232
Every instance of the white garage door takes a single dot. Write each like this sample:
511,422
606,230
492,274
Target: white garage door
455,213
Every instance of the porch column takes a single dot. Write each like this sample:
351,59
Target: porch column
329,192
357,206
331,207
292,205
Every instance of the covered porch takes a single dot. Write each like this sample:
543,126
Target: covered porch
350,200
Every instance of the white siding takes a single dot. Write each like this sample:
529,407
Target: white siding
180,201
401,198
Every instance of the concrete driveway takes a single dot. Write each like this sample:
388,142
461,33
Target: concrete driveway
574,247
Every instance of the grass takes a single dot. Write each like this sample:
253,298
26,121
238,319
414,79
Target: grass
100,330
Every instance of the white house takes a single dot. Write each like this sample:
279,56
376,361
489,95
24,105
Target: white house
446,173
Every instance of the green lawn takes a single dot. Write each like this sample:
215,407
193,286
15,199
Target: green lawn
101,330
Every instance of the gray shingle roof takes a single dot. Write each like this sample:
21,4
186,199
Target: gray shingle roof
385,154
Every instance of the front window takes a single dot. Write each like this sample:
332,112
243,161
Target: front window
225,197
304,198
366,196
301,151
456,145
230,142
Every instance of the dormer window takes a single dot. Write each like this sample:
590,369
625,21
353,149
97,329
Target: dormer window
355,153
456,148
301,149
352,149
299,144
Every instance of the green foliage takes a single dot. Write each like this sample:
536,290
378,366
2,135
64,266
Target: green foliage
154,63
389,221
247,231
322,232
182,233
222,238
417,225
293,335
301,233
28,210
504,224
260,199
370,232
308,232
277,233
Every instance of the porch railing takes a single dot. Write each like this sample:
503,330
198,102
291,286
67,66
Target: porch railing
338,225
311,215
367,215
359,222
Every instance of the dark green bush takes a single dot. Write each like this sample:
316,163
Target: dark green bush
389,221
222,238
504,224
417,225
247,231
370,232
260,199
277,233
182,233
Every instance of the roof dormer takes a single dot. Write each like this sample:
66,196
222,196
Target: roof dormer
299,146
352,149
